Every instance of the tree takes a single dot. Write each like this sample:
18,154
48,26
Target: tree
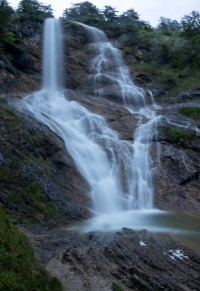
84,12
191,32
33,10
129,17
191,25
167,26
109,13
4,6
6,34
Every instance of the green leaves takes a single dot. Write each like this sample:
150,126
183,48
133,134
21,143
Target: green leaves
191,25
6,34
34,10
84,12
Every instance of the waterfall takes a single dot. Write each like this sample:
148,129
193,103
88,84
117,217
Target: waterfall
97,150
108,68
108,65
52,56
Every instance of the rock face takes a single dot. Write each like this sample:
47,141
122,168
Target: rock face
125,260
177,181
20,69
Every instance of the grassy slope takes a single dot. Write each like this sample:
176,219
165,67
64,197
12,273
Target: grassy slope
19,268
166,77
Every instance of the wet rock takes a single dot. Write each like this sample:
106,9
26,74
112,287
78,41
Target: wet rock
117,117
184,97
127,259
178,166
77,57
142,78
6,64
160,92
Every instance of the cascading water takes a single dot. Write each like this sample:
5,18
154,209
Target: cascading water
52,56
108,65
84,133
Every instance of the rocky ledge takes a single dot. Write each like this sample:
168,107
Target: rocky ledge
124,260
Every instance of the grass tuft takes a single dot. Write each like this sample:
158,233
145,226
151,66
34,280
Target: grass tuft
192,112
178,136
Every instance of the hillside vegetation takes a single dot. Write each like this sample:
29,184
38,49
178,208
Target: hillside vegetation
168,55
19,269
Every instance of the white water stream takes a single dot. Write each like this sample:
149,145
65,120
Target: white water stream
109,65
96,149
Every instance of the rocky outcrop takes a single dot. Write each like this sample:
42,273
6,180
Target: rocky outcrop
124,260
177,182
117,116
20,68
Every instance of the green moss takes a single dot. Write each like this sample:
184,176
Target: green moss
178,136
33,201
19,268
193,112
8,115
6,175
116,287
6,149
40,161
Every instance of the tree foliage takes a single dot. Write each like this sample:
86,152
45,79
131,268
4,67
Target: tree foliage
109,14
84,12
172,43
33,10
6,35
129,17
191,25
191,32
167,26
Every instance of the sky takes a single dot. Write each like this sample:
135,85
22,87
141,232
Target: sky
148,10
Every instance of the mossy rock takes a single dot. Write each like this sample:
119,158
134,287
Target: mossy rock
34,204
178,136
116,287
192,112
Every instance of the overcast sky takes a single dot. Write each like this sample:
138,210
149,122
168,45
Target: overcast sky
148,10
